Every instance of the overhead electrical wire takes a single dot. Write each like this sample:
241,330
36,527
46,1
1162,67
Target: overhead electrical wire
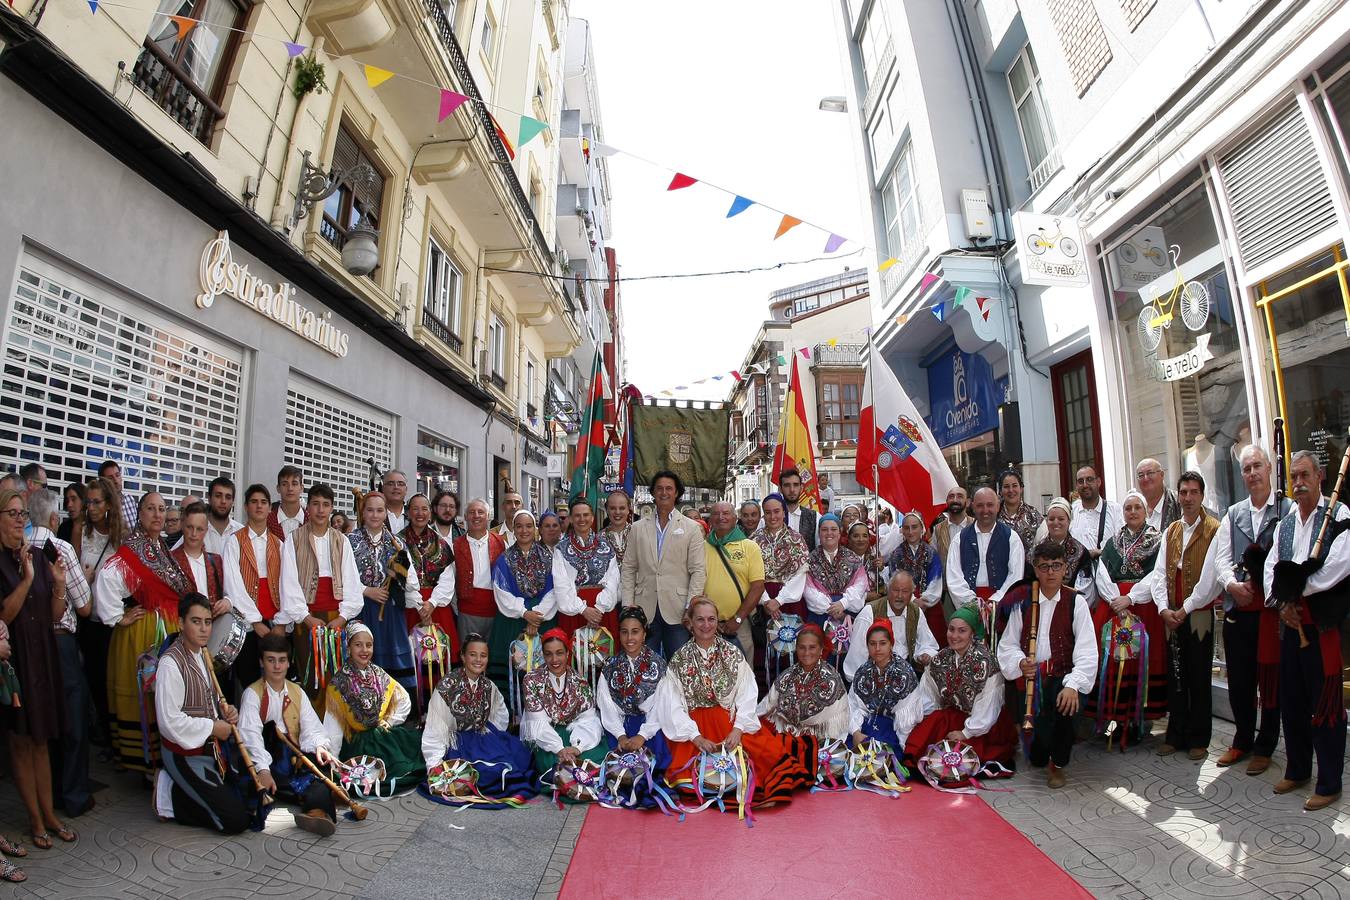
749,271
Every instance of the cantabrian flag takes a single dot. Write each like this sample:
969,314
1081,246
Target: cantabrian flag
796,449
590,459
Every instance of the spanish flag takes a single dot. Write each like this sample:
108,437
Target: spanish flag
795,448
501,136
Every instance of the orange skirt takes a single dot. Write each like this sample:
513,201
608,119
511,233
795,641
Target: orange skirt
998,745
609,620
778,760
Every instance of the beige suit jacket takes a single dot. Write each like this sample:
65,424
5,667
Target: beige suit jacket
667,583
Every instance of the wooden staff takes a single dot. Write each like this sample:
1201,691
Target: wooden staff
264,797
358,811
1028,718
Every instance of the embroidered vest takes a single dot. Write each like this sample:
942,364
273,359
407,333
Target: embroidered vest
995,564
215,572
248,565
881,609
198,698
307,564
290,709
1192,559
470,704
1061,634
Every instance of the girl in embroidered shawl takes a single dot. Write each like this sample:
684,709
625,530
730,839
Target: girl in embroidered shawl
861,542
626,697
1054,527
618,520
366,710
1126,560
879,686
143,570
467,720
560,722
434,563
522,583
378,556
809,697
785,556
959,698
1014,512
586,575
836,580
707,699
919,558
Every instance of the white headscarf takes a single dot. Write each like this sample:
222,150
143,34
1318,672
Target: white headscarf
1043,530
355,628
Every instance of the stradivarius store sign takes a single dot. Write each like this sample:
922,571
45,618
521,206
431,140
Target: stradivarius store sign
221,276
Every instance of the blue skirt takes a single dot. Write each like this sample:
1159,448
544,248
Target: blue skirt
505,767
393,652
882,728
644,797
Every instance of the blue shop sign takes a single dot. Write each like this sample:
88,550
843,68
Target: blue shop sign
963,397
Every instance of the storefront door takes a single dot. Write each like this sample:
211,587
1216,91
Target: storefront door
1080,441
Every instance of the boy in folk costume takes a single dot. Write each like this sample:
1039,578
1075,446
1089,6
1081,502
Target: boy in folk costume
1065,663
192,721
273,706
320,584
253,580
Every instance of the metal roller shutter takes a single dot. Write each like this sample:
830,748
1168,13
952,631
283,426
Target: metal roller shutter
330,437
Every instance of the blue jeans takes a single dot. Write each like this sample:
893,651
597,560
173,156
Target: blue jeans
665,638
72,790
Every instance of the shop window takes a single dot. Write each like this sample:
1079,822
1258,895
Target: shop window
1305,314
439,462
333,438
354,198
839,397
1177,342
184,72
90,376
441,307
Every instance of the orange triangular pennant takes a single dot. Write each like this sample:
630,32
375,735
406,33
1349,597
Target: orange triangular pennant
184,25
788,223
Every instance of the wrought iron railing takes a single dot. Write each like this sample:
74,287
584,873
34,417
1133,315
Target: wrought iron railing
168,85
838,355
442,333
470,88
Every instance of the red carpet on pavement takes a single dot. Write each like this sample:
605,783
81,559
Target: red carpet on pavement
856,844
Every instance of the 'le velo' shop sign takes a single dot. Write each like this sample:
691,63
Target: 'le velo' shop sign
221,276
963,397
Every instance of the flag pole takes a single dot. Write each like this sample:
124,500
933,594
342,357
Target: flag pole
872,401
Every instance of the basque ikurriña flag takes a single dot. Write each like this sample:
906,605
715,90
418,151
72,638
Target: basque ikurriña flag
895,442
795,448
590,459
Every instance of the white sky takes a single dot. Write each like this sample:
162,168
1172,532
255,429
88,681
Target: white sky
725,90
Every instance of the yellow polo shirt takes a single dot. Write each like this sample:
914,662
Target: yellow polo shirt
748,564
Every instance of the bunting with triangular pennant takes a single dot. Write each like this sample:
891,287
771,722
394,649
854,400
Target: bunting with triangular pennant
529,130
739,205
184,25
375,76
450,101
681,181
788,223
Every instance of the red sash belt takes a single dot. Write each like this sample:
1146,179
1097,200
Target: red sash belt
479,602
182,751
589,594
1331,704
324,601
267,607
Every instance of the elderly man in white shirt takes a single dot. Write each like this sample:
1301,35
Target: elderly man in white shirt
984,561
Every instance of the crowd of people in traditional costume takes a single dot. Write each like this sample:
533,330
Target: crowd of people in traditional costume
665,662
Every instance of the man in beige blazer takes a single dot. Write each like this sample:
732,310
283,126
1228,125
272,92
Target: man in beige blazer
663,566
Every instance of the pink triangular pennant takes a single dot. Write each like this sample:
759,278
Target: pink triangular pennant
805,352
450,101
928,280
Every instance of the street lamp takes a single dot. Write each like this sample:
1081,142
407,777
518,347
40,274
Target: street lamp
834,104
360,250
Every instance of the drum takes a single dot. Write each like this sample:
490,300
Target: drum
577,783
228,632
622,769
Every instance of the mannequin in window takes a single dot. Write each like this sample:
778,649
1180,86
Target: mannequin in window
1199,457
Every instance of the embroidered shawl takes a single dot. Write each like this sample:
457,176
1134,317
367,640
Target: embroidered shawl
563,706
918,563
590,561
525,573
363,693
632,680
711,681
880,689
803,694
470,704
1024,522
430,553
373,556
1130,555
833,577
960,678
783,552
153,556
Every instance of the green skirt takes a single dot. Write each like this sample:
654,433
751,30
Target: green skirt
401,750
505,630
544,761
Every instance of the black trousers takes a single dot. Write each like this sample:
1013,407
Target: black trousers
1052,739
1240,635
316,795
1300,688
247,667
200,795
1190,706
94,638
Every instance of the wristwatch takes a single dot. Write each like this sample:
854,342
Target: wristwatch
739,620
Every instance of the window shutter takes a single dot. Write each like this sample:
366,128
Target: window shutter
1276,188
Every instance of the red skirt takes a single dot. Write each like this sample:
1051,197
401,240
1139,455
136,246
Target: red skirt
937,623
609,620
795,608
443,617
998,745
777,759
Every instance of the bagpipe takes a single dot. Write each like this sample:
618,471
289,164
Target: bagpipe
1289,579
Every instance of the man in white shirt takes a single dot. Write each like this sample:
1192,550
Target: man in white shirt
512,503
1163,508
826,492
1247,530
914,638
189,716
220,525
984,561
476,553
288,513
1189,619
203,567
1095,519
1065,655
395,489
1312,677
799,518
273,706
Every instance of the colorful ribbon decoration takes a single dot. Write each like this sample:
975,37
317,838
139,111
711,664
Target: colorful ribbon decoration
1123,638
456,781
327,654
433,652
622,770
728,771
527,654
591,646
579,782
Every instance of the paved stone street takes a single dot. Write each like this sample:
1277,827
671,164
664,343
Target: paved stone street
1128,826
